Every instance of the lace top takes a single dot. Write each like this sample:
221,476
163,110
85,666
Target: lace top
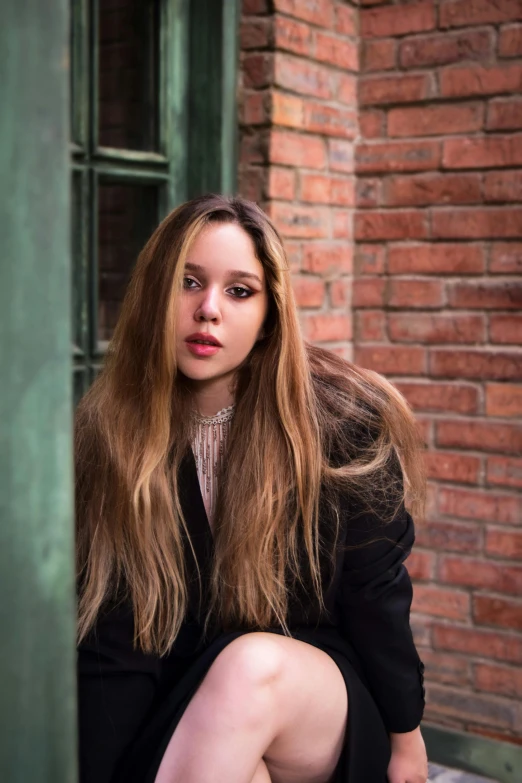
209,445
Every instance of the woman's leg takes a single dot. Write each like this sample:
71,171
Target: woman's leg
265,697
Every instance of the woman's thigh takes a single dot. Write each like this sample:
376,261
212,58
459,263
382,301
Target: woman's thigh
268,697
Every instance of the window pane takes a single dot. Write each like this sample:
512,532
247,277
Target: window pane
127,216
128,83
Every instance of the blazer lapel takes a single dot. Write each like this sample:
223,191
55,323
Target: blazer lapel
199,530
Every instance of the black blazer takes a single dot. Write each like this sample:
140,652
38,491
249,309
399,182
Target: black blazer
367,610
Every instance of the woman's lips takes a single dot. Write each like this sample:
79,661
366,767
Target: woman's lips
199,349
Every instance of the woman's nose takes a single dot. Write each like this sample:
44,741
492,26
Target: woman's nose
208,308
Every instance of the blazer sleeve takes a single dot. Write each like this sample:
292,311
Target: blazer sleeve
374,600
116,688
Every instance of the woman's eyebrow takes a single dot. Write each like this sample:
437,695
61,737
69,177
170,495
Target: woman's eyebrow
231,272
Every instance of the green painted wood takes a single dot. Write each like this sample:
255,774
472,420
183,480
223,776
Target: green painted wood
174,126
213,53
37,686
500,761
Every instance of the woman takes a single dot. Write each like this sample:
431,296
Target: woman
243,604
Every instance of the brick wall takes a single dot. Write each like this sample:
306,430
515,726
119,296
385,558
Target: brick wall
437,308
298,123
436,293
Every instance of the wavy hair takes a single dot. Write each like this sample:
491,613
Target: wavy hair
315,424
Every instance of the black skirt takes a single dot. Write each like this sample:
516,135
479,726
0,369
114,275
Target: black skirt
366,751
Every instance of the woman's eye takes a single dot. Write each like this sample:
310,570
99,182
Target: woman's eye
240,292
187,281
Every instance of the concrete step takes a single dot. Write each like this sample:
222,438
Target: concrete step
439,774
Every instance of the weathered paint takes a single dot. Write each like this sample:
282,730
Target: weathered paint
37,702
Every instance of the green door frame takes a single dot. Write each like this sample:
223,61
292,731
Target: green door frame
38,693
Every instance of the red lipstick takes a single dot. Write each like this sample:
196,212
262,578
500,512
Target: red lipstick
202,344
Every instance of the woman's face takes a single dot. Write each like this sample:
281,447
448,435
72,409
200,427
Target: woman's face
224,301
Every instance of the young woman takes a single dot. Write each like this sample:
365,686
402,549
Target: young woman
242,528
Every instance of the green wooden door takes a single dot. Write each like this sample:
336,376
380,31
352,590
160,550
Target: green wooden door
153,121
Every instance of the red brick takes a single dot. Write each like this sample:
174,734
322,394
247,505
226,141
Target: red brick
252,182
476,363
303,77
480,505
506,258
393,20
510,41
387,156
347,89
446,397
287,110
460,82
281,183
378,55
370,326
340,156
293,149
258,69
369,191
426,189
436,259
255,33
505,114
482,574
476,223
392,359
369,259
446,703
498,679
441,602
327,258
505,329
321,189
428,51
486,294
342,223
320,12
504,543
405,88
415,293
293,254
433,120
501,612
299,221
253,147
495,735
291,35
450,536
492,151
254,7
463,13
446,668
254,109
503,186
330,120
480,436
500,646
503,400
390,224
504,471
369,292
421,565
436,328
308,291
346,20
341,292
447,466
326,327
371,123
340,52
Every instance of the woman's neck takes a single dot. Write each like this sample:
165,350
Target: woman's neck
209,398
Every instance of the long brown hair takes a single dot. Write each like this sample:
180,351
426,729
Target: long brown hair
305,421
